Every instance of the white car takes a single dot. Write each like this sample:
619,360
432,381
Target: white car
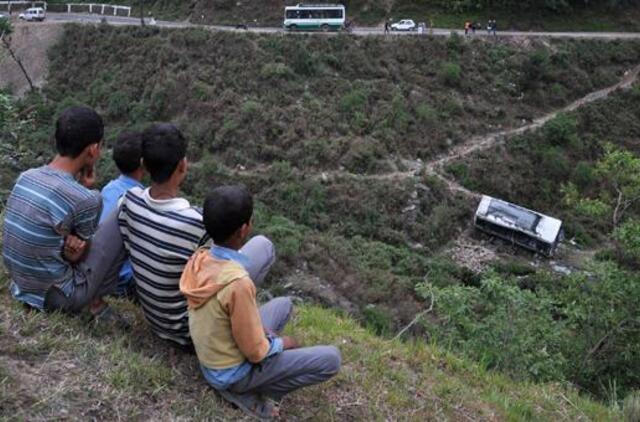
33,14
404,25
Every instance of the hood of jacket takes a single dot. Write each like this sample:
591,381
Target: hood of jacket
204,276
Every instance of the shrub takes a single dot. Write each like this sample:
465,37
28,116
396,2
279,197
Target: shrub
628,237
450,73
119,104
562,130
354,101
536,68
304,62
427,115
499,324
275,71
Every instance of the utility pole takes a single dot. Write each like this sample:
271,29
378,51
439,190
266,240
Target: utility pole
141,12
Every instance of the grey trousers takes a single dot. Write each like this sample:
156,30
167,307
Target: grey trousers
262,255
98,274
291,369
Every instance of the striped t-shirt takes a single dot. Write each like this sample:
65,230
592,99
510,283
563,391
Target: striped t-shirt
160,237
44,206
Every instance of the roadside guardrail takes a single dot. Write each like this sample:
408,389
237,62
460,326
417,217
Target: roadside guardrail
97,8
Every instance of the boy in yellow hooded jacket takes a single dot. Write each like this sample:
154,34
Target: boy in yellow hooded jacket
239,346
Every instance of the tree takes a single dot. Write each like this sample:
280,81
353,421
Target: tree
618,172
5,38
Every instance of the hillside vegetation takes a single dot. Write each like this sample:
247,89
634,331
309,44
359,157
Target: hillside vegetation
594,15
331,134
288,109
549,15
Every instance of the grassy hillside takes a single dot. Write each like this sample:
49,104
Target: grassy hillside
332,135
55,366
288,109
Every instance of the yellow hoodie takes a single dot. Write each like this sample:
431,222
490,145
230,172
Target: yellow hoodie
224,321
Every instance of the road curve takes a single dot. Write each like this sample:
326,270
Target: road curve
362,31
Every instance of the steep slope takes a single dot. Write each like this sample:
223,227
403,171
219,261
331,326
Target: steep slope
54,366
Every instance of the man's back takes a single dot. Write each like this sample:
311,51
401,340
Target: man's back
44,206
160,237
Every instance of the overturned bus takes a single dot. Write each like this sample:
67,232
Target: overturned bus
529,229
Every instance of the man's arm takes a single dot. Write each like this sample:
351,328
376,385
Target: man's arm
86,215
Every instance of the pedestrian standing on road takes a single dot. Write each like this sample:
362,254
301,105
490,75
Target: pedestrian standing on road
386,27
467,26
474,26
494,27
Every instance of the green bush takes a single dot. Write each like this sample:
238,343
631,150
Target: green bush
499,324
561,131
581,328
450,74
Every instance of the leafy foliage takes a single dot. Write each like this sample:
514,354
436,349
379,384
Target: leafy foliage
619,172
581,328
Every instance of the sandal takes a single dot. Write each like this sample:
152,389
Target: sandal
252,404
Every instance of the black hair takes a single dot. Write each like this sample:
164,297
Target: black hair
226,209
77,128
127,152
163,147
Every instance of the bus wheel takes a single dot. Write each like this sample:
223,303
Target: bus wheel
292,28
325,28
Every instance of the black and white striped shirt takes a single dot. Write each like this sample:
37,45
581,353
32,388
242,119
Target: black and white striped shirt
160,236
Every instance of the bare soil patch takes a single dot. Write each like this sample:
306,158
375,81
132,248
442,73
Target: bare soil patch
30,41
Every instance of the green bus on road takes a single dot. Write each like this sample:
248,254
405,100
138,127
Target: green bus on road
314,17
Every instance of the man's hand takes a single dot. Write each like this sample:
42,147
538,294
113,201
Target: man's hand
289,343
87,177
74,248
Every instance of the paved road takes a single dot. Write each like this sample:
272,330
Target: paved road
116,20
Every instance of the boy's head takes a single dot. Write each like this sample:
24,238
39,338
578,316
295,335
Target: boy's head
79,130
227,214
127,152
164,152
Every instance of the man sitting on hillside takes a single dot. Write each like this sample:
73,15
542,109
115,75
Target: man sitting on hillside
56,255
161,231
127,154
239,346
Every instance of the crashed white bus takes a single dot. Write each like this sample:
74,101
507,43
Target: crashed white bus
529,229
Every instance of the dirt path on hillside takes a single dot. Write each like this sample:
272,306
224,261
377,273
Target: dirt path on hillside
435,166
481,143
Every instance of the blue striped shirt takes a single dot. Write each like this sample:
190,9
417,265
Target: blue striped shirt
44,206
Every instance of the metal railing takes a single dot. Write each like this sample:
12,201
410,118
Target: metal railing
23,4
98,8
101,7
